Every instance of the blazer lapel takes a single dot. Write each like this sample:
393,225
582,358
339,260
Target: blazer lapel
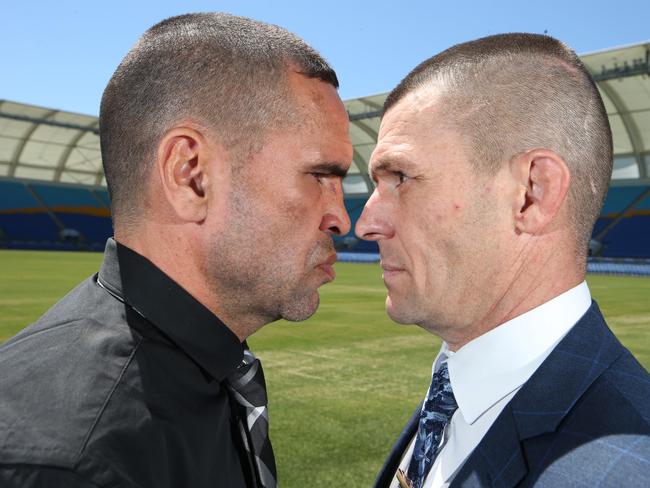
388,470
542,403
498,460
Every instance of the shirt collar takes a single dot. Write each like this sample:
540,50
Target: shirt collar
495,364
171,309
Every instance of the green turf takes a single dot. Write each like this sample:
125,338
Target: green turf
342,384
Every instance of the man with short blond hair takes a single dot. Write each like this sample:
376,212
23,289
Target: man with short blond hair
492,164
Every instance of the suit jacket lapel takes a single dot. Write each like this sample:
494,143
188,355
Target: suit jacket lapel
498,460
389,468
542,403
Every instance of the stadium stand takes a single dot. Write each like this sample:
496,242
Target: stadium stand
52,216
623,228
350,243
22,218
38,215
78,209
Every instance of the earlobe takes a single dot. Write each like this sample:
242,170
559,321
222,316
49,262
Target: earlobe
544,179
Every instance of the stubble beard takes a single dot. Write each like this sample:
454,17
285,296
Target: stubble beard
303,301
266,288
254,275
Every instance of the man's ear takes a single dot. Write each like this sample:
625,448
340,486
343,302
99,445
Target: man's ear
181,162
543,179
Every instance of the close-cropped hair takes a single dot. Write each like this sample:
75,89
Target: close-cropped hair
226,73
509,93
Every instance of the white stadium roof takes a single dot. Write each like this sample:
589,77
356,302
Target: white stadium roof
43,144
53,145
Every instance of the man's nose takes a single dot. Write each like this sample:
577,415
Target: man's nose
373,224
336,219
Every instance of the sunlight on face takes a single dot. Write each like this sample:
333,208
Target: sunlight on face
433,217
276,247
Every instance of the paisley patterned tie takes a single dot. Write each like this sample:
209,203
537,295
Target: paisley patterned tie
438,408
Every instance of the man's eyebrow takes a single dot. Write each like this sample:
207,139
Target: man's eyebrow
389,164
334,169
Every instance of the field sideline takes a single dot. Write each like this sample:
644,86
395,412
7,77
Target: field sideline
342,384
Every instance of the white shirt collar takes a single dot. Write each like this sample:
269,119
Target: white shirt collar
493,365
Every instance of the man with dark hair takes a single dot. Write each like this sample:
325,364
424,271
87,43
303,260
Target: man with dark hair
224,144
492,164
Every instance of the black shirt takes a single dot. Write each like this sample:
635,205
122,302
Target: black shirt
120,384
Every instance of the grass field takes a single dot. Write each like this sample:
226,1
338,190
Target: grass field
342,384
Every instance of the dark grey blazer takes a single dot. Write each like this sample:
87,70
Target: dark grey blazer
582,419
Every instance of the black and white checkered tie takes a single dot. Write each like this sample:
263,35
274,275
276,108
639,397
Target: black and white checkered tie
248,389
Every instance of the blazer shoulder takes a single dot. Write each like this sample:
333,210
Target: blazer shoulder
604,440
616,403
631,383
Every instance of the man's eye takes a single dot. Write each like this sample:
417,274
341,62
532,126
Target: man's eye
401,177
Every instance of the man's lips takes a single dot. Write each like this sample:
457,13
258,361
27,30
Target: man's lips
390,269
328,266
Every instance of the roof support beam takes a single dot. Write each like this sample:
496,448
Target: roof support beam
365,115
629,124
363,169
60,166
52,168
370,103
15,158
369,131
55,123
639,67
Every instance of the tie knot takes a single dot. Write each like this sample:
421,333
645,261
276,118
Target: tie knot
247,382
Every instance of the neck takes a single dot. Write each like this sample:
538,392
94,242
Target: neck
181,259
540,276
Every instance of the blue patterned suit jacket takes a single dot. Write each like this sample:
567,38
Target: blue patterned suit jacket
582,419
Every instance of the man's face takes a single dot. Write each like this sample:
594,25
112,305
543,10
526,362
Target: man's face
274,248
436,220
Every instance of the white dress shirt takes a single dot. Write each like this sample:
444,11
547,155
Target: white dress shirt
487,372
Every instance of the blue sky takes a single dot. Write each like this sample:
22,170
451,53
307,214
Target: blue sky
61,54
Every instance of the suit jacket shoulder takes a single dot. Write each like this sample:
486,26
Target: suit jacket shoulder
581,419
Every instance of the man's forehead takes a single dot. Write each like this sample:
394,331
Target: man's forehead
314,97
424,99
417,112
385,156
414,132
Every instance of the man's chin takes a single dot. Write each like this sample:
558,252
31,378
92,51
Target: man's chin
398,312
301,309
